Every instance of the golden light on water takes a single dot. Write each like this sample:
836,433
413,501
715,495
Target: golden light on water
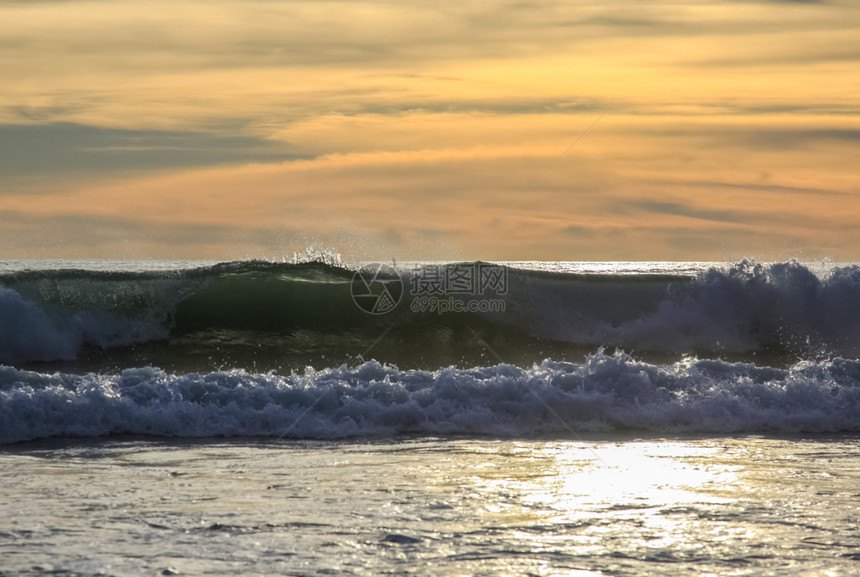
456,506
574,496
635,474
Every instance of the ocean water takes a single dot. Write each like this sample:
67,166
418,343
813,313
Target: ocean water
531,418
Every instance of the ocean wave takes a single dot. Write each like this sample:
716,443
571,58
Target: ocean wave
747,308
605,393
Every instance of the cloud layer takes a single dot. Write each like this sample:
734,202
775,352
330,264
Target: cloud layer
238,129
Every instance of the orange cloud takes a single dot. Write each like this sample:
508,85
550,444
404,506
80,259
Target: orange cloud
723,137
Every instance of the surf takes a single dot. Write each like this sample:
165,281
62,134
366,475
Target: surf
605,393
258,315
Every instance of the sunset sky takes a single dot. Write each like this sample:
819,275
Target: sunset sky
693,130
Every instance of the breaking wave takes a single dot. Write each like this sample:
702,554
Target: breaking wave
604,393
747,308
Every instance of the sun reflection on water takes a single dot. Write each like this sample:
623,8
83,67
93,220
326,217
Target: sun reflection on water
580,497
658,507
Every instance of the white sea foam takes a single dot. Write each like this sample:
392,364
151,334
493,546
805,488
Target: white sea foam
743,308
28,334
606,393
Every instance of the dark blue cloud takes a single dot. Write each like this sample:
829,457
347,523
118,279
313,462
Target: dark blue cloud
681,209
21,231
800,138
62,148
748,186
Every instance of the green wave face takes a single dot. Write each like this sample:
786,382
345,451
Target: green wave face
259,315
